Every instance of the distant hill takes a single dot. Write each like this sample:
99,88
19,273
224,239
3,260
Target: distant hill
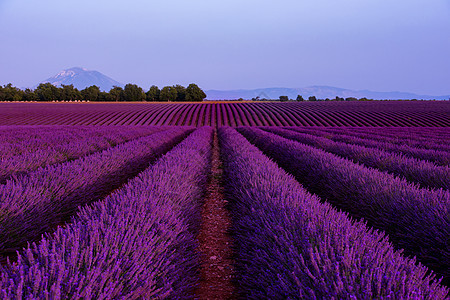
320,92
82,78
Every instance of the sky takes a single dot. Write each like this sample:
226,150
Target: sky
379,45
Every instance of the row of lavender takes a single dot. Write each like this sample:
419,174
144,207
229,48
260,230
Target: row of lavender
401,132
427,138
423,172
137,243
26,148
290,245
435,148
19,140
37,201
416,219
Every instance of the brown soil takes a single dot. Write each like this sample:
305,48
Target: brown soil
215,244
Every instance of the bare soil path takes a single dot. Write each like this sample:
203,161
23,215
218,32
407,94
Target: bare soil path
215,243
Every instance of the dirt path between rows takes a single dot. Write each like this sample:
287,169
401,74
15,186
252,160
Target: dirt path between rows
215,244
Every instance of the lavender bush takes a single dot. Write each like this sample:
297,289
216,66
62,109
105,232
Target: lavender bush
289,245
419,171
35,203
408,134
21,140
427,138
441,158
138,243
416,220
41,146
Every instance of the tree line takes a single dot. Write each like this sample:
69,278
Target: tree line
131,92
311,98
314,98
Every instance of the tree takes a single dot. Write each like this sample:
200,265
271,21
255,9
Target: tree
90,93
284,98
132,92
300,98
181,92
153,93
105,97
168,93
194,93
351,99
68,92
312,98
11,93
47,92
30,95
116,93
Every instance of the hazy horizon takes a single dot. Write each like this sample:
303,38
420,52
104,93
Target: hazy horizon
359,45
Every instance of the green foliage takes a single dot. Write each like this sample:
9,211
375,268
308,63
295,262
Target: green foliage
68,92
312,98
153,93
284,98
132,92
10,93
300,98
47,92
168,93
105,97
181,92
116,93
194,93
91,93
30,95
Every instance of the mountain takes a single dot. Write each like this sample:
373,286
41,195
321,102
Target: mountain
82,78
321,92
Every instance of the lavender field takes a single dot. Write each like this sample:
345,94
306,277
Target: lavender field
221,113
325,201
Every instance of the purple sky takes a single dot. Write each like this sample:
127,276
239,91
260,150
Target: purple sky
380,45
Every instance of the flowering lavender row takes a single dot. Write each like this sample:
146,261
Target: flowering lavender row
415,219
18,140
137,243
289,245
423,172
55,147
441,158
433,141
37,202
423,132
21,140
418,133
